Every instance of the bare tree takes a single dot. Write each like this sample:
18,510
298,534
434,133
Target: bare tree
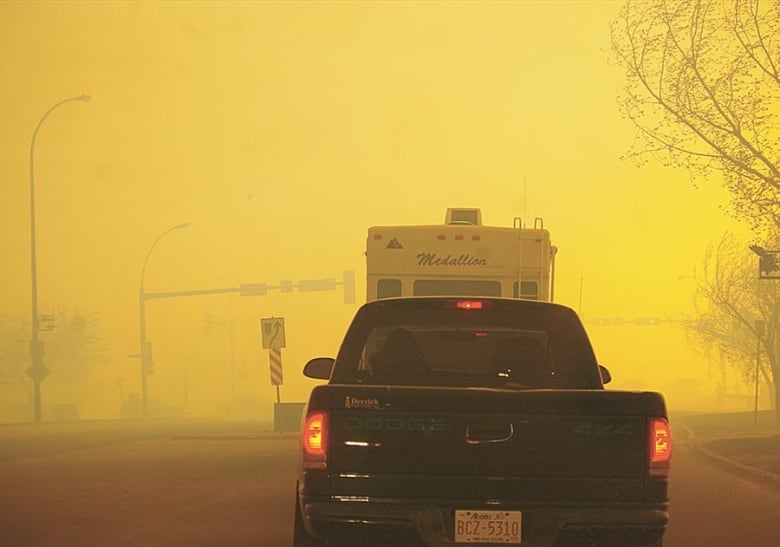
14,354
731,299
703,90
73,345
76,345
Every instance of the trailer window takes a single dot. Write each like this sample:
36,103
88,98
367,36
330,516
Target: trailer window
388,288
529,290
456,287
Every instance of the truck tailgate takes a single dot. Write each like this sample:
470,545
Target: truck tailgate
424,443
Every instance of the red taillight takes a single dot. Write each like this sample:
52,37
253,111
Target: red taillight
377,236
660,449
468,304
315,441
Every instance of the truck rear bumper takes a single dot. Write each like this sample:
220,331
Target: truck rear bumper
371,523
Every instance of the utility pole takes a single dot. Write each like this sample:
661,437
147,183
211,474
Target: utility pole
759,334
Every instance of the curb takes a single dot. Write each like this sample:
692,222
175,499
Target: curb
766,478
746,471
269,436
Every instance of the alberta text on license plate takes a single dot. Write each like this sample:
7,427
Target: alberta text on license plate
477,526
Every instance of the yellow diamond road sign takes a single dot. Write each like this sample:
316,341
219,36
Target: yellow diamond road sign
272,332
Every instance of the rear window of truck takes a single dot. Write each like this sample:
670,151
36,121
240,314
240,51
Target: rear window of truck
450,342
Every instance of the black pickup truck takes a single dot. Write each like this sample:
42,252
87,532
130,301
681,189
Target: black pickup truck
452,421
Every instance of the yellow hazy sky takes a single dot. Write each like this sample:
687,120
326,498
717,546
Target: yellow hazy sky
281,131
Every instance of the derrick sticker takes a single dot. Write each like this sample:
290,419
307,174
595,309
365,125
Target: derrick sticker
361,402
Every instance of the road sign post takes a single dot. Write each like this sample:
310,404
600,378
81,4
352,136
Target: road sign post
277,376
272,338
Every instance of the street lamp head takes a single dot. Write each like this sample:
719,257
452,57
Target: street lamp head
148,254
83,98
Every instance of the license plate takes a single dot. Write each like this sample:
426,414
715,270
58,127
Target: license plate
478,526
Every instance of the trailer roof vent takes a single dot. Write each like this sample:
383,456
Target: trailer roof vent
464,216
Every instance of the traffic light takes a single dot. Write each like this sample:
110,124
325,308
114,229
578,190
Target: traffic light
146,359
767,264
349,287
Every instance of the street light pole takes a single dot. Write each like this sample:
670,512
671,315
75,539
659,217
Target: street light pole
37,370
759,334
769,268
145,353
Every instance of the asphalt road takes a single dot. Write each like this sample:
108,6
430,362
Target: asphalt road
162,486
191,485
712,507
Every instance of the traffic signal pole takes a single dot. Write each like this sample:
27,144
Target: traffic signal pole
253,289
145,348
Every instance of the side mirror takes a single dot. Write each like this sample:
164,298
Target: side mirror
606,377
319,368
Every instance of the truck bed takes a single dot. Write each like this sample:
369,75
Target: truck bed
429,452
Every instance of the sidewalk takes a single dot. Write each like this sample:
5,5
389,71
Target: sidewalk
746,444
241,435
